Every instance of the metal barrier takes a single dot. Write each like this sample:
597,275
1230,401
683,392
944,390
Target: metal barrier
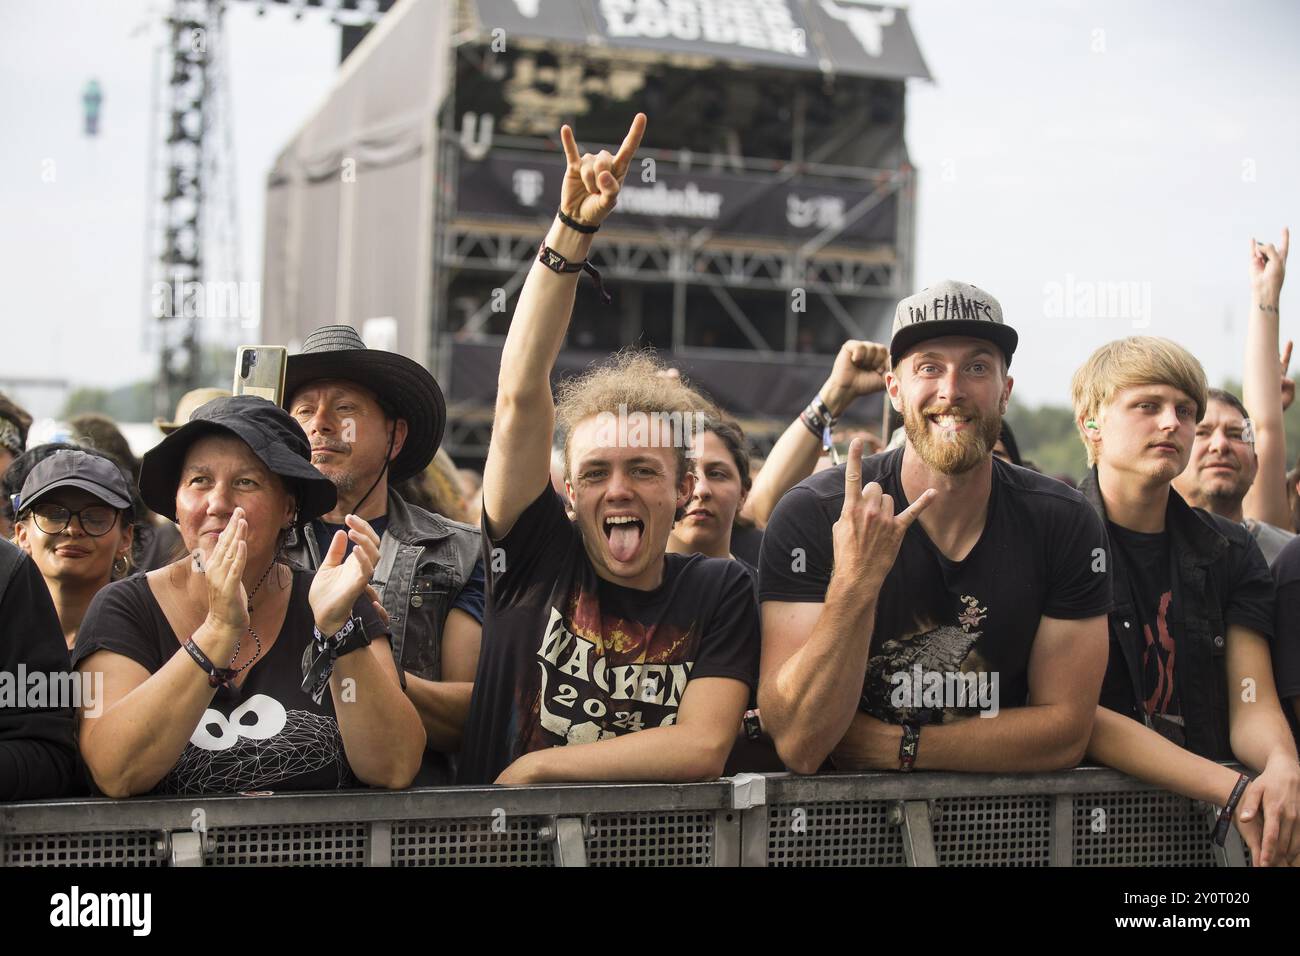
1081,817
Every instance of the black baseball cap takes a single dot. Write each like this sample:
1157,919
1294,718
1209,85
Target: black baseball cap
268,430
75,469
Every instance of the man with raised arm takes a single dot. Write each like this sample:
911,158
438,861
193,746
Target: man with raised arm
931,583
603,658
1237,468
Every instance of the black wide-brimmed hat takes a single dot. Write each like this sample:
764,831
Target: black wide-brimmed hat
338,352
274,437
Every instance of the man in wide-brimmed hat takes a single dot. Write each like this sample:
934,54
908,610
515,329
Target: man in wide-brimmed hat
374,419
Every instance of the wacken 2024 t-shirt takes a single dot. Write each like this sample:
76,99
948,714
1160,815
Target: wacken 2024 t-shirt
951,638
569,658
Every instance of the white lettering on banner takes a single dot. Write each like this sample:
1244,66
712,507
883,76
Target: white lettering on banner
757,24
822,211
658,200
572,673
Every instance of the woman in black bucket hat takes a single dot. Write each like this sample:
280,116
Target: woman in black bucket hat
230,671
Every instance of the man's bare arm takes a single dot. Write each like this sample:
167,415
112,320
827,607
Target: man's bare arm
1066,667
858,370
1261,385
519,454
443,705
815,655
694,748
810,680
1129,746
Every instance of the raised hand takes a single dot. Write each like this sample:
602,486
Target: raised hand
868,535
859,370
591,183
1273,800
1268,270
224,571
338,583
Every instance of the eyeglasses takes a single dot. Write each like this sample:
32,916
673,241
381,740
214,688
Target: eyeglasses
95,520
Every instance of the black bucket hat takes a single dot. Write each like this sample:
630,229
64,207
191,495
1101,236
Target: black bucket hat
337,351
274,437
76,469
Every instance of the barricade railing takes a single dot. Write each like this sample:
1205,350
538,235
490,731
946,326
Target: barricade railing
1081,817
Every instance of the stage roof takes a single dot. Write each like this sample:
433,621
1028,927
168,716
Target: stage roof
845,37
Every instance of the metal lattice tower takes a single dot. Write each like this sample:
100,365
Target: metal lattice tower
194,224
192,32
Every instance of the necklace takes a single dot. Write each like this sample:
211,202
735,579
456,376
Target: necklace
258,651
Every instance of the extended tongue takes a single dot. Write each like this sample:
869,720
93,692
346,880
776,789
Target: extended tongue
624,539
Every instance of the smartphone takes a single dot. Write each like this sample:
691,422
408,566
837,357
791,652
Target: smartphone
259,370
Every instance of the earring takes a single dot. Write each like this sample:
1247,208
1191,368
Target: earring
125,566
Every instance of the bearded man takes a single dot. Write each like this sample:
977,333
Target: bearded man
951,584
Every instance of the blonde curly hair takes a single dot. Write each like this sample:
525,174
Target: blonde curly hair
632,380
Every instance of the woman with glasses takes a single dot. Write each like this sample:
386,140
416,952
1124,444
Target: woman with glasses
76,521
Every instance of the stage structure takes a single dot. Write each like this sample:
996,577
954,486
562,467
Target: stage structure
768,216
192,236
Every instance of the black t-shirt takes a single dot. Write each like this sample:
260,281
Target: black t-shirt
570,658
1146,564
746,543
936,619
37,742
267,734
1286,631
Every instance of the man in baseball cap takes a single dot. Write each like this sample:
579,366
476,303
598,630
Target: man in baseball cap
373,419
955,584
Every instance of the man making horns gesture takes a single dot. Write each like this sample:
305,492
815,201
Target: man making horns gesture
603,658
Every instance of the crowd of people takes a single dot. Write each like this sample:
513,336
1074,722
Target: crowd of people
313,596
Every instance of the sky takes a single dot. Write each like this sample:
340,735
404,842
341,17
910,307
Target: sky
1099,167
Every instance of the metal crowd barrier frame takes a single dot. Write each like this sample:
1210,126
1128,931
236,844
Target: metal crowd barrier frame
1081,817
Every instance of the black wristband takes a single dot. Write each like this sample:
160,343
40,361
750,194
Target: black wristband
557,263
319,657
1220,832
574,224
217,676
909,745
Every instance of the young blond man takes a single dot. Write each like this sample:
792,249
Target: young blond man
603,658
1189,680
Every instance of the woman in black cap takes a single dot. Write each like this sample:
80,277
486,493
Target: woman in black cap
230,671
75,519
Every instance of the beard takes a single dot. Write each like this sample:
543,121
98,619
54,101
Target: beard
952,452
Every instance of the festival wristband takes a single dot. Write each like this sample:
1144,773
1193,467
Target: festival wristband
1220,832
909,745
575,225
217,676
319,656
557,263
